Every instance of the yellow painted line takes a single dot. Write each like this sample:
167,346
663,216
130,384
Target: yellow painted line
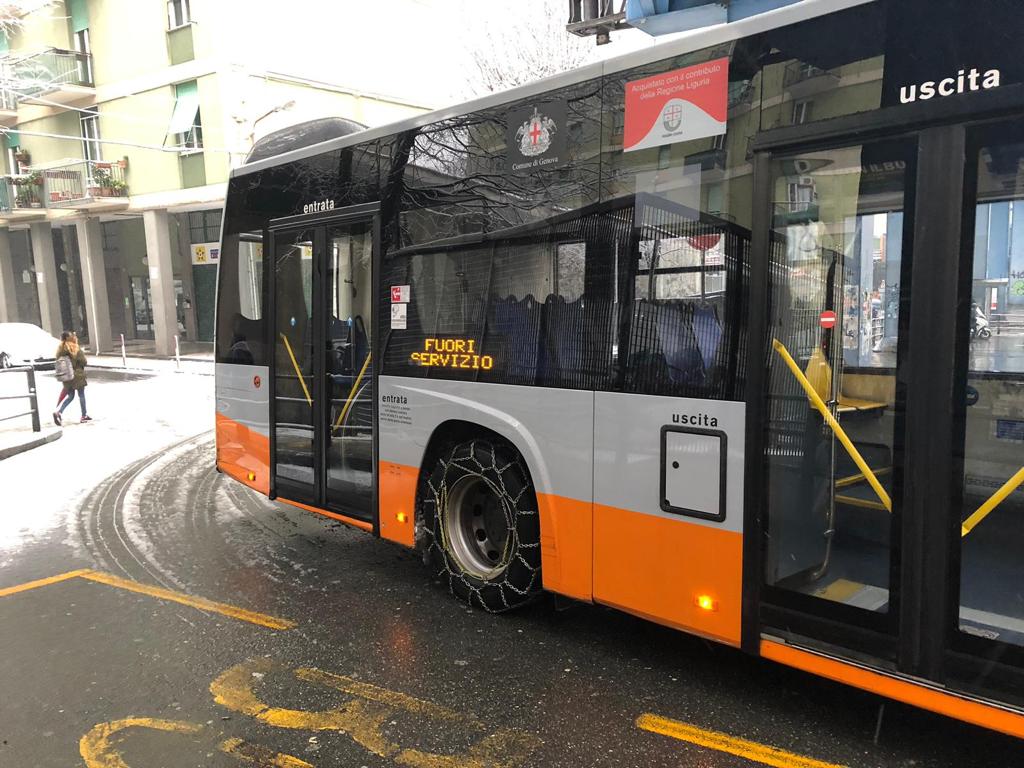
720,742
200,603
99,747
42,582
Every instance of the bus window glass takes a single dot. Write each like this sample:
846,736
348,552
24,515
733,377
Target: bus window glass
825,67
684,312
832,421
241,331
992,533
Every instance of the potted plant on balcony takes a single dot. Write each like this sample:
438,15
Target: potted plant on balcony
119,188
102,182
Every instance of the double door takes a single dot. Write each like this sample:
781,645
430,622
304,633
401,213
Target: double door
322,441
893,427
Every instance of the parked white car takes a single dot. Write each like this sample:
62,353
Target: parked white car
25,344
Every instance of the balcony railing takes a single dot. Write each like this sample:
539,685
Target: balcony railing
8,100
83,183
21,194
798,72
51,70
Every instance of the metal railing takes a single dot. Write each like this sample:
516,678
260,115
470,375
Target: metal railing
66,185
31,397
50,70
20,192
798,72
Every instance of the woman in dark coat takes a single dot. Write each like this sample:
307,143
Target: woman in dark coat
70,348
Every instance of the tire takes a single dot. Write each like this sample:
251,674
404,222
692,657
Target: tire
985,333
482,529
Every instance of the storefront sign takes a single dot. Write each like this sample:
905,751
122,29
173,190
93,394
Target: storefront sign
205,253
684,104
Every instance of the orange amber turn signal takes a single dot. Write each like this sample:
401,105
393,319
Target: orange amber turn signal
706,603
402,517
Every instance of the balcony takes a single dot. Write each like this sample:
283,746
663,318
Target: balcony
802,80
86,185
21,197
53,77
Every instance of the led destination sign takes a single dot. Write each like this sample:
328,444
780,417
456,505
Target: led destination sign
452,353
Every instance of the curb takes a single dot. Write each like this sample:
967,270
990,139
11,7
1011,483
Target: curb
14,450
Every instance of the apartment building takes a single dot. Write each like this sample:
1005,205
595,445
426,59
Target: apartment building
121,120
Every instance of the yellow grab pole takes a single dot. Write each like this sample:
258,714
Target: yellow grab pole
997,498
826,414
352,393
295,365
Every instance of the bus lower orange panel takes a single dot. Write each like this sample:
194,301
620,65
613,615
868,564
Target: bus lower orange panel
243,453
685,575
397,508
969,710
566,545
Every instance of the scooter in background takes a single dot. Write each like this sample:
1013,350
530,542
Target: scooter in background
980,328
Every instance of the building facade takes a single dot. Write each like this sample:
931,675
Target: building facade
121,120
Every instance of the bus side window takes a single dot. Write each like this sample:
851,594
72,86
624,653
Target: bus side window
240,325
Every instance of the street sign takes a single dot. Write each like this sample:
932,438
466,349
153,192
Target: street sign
828,319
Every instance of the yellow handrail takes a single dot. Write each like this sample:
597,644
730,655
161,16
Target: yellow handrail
352,394
826,414
295,365
996,499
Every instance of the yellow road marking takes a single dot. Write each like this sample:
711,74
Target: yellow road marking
260,756
98,747
41,582
750,750
160,593
201,603
365,718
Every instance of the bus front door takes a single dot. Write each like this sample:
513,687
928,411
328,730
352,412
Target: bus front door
323,441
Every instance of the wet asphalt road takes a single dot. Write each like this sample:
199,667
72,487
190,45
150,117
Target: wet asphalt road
382,666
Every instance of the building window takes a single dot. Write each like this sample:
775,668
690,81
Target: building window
186,129
178,13
91,137
84,59
204,226
802,112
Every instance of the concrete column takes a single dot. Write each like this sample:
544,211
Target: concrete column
46,277
94,283
8,296
161,279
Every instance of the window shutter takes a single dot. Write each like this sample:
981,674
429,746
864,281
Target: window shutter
79,13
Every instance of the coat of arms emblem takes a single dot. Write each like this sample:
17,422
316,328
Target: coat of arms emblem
534,136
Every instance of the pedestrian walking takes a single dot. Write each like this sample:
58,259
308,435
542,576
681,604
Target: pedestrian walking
76,385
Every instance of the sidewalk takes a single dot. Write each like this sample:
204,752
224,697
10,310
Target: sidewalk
15,441
201,365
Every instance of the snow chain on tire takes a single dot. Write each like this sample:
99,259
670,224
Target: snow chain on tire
496,475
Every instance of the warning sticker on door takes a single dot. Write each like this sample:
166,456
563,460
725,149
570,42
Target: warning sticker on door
684,104
400,294
399,316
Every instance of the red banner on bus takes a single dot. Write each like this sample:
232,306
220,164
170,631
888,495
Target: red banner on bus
684,104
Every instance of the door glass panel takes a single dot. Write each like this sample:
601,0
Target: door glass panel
348,371
992,534
293,364
837,260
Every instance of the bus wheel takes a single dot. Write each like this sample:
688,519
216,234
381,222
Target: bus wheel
482,526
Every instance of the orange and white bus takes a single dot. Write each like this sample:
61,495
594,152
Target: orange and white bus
727,334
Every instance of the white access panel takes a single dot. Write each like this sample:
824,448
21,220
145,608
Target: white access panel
693,480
